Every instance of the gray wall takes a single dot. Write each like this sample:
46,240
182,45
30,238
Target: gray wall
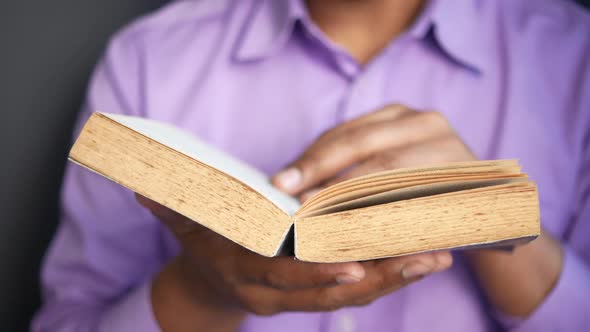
47,50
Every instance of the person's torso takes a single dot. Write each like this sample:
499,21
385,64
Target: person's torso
265,96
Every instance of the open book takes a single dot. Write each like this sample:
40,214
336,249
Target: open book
385,214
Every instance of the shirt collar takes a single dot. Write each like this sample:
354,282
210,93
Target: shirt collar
267,28
454,25
459,31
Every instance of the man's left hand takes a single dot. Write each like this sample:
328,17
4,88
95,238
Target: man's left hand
393,137
396,136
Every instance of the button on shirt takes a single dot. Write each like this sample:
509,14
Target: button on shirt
259,80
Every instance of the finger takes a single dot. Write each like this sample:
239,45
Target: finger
377,163
287,273
177,223
163,213
434,150
429,263
419,265
259,300
387,113
333,153
145,202
332,298
386,276
444,260
443,148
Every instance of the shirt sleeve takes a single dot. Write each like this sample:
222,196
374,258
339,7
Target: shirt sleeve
96,274
567,307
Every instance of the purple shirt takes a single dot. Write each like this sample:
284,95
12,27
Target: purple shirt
260,80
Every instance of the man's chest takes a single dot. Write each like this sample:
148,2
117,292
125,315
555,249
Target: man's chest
268,115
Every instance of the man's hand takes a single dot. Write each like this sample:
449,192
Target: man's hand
396,136
392,137
214,281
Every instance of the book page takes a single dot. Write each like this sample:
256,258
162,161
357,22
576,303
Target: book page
450,220
421,190
392,184
191,146
378,182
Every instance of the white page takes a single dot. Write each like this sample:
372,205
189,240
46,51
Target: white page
191,146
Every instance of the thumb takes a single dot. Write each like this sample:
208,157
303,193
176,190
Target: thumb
176,222
323,160
318,164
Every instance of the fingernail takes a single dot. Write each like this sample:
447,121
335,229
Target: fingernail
290,178
347,279
444,261
414,270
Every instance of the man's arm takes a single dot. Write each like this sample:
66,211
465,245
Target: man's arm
108,268
518,283
214,282
97,272
565,305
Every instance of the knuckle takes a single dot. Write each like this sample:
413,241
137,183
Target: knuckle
327,301
243,295
225,266
317,276
328,307
363,302
326,134
434,118
322,300
253,304
308,163
354,136
236,295
231,280
259,309
384,161
397,108
447,140
263,310
451,142
358,139
274,278
381,283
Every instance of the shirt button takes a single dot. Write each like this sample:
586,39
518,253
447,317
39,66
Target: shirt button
348,67
346,323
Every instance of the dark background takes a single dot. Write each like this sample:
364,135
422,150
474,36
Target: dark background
47,51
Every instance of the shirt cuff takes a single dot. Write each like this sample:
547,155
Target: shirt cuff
131,313
566,308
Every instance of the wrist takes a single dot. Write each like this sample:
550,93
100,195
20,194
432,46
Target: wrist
517,282
182,301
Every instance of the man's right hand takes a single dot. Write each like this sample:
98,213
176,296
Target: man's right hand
214,282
